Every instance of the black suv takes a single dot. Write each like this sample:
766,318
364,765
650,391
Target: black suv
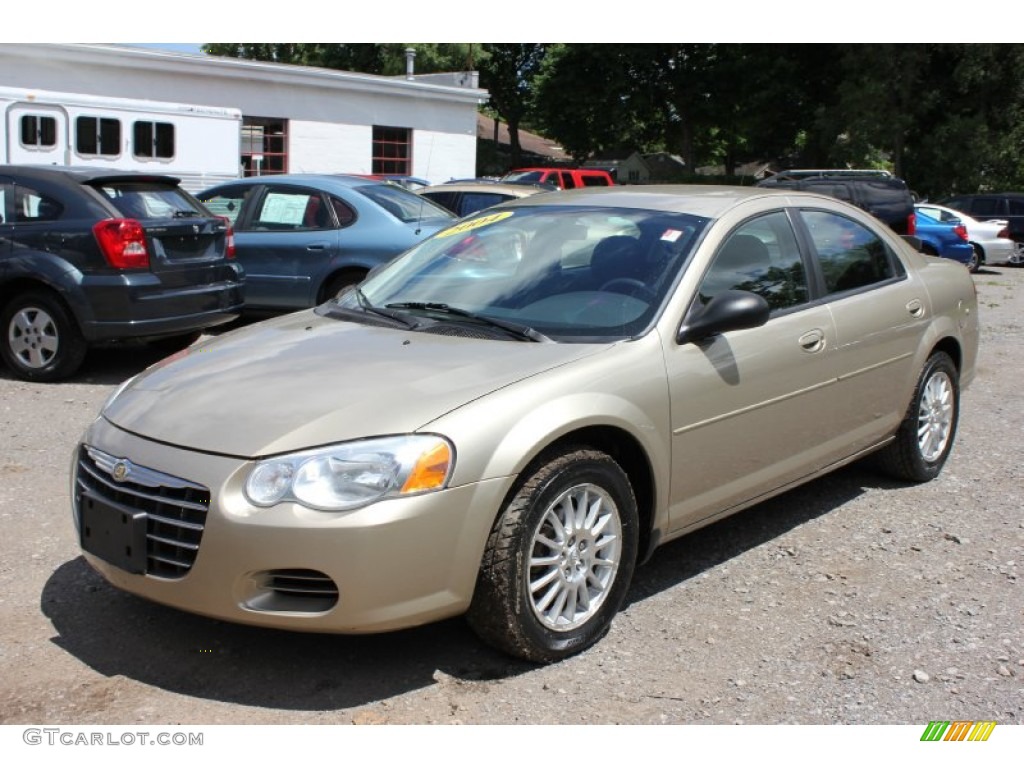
880,194
89,256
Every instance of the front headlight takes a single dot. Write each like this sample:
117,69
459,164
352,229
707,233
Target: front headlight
351,475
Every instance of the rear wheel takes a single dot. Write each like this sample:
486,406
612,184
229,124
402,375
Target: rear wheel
977,258
559,560
925,438
41,340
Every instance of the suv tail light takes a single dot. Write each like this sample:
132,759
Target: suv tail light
961,232
229,239
912,224
1004,232
123,243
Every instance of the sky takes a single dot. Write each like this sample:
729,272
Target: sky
523,21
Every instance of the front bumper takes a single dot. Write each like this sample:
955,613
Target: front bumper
394,564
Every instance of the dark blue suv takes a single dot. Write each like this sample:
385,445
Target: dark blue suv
90,256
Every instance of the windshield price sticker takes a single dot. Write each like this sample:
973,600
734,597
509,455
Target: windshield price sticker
467,226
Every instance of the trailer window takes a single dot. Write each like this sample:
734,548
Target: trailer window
153,140
98,136
38,131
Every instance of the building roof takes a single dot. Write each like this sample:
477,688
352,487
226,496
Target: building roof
530,142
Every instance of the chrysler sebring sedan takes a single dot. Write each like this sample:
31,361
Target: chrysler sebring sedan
511,416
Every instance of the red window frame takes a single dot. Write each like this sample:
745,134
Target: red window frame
264,146
392,150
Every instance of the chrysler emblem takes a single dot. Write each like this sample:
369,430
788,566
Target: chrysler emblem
121,471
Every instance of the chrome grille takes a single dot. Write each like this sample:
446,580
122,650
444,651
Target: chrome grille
175,509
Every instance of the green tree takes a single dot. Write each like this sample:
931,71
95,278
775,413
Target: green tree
508,72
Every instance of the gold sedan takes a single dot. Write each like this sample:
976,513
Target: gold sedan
507,419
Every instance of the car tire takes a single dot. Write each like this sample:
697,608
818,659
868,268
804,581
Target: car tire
977,258
559,559
925,437
41,340
337,283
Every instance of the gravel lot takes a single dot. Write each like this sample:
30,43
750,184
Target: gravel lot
850,600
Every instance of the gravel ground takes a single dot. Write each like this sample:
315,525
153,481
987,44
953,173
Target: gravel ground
850,600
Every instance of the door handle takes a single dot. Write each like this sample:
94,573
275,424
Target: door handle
316,247
915,307
813,341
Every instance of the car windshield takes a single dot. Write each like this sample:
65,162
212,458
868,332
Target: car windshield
566,273
402,204
523,177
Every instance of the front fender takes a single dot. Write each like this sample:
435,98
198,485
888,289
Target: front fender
500,434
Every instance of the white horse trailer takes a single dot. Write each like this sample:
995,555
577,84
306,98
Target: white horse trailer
198,144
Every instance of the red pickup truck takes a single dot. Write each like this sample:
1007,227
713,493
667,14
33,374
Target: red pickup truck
563,178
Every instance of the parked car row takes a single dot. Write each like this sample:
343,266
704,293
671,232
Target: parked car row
990,241
91,257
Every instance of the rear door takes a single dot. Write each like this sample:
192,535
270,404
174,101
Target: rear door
880,313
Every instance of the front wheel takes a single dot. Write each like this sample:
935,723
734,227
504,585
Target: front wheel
925,437
559,560
41,340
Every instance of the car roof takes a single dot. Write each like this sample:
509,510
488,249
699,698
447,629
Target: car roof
514,190
83,175
320,180
700,199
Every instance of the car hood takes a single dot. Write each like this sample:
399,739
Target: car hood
304,380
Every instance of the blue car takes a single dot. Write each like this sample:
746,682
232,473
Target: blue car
301,238
944,238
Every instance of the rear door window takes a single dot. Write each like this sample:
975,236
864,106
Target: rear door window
292,209
851,255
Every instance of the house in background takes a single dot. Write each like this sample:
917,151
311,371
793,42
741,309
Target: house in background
294,119
494,158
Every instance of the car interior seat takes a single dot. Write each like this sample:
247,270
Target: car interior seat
616,258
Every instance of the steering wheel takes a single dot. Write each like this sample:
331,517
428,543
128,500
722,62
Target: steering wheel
632,286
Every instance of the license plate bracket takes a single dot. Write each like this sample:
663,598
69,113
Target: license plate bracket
113,533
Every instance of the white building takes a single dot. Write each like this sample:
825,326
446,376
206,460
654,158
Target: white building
294,119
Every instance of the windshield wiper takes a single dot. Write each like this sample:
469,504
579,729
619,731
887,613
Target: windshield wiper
519,331
366,306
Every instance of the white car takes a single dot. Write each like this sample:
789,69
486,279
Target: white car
990,239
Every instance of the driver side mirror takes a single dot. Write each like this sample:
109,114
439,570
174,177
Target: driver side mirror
729,311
